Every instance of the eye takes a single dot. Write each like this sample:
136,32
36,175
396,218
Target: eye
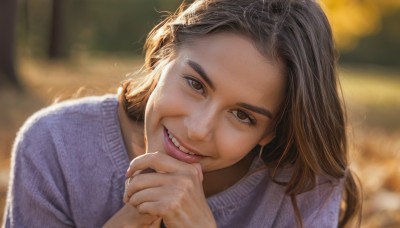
244,117
195,85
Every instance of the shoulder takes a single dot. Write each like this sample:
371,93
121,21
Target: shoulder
68,111
88,106
84,131
320,206
63,149
326,189
65,122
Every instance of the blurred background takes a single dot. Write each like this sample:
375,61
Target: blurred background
52,50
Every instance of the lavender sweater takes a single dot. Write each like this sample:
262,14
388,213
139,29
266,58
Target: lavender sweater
68,166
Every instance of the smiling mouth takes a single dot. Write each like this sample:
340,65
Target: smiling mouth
178,145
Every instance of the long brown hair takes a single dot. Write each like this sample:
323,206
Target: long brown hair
311,131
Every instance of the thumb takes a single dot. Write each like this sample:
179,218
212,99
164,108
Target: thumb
199,169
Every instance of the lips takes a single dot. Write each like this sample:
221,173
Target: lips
175,149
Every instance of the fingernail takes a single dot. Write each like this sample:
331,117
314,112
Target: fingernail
127,172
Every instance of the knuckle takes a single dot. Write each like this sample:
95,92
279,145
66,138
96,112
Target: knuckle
136,182
185,183
153,209
168,207
142,208
193,172
139,182
173,205
133,201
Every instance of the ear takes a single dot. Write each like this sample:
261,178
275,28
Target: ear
266,139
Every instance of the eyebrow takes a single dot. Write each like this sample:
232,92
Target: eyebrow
196,67
256,109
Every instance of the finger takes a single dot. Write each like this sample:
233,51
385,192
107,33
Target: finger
152,208
176,192
143,181
145,195
129,179
125,198
157,161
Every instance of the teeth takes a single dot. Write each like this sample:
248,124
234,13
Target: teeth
181,148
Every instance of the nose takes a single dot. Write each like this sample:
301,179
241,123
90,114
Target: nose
200,125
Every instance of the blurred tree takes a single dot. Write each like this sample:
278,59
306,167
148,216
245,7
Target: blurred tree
120,26
8,17
56,43
382,48
354,19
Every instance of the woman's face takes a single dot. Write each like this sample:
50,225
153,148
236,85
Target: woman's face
214,102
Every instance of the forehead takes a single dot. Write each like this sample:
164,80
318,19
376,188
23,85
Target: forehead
236,67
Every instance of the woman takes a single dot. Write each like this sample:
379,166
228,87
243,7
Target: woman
238,123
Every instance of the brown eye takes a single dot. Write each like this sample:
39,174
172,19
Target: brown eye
243,117
195,85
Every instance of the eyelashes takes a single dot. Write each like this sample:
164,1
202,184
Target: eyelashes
239,114
195,84
244,117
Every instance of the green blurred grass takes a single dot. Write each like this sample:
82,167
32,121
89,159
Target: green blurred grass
373,96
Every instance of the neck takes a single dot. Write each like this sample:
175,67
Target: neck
132,133
226,177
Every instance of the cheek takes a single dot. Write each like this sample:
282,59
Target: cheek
234,144
166,100
160,105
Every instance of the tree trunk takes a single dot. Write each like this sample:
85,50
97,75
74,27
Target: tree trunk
8,18
56,39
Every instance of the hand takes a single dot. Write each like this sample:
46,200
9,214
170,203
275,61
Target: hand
129,216
173,192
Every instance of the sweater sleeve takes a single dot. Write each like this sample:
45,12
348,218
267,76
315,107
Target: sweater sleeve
37,194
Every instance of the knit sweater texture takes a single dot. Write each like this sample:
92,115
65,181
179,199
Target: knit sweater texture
68,170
